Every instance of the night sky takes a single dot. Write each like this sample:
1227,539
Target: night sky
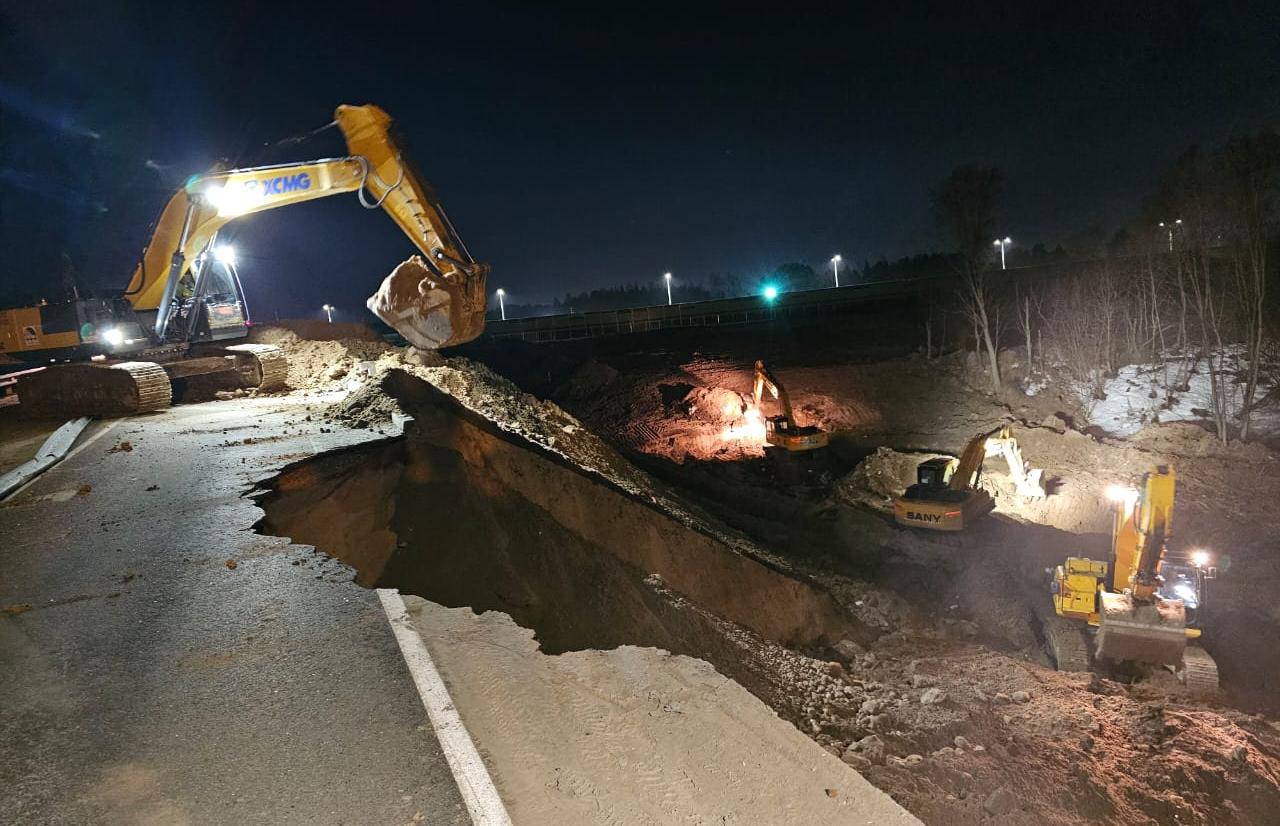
598,147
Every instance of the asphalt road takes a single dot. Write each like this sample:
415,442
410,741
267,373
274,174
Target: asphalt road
150,682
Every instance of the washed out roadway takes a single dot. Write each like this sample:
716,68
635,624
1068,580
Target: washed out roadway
143,680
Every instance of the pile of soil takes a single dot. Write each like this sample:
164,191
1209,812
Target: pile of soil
316,363
881,477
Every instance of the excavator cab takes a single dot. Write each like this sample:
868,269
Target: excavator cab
935,473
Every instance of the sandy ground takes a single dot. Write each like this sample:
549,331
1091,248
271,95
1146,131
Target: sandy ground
633,735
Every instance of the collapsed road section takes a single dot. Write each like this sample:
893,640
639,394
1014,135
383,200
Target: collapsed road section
540,520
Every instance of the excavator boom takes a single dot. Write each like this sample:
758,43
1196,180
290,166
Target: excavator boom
185,290
378,172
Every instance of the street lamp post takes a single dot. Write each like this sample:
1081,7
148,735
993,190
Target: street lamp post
328,311
502,307
667,277
835,265
1168,226
1002,243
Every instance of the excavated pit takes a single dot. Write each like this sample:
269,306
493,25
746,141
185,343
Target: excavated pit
464,513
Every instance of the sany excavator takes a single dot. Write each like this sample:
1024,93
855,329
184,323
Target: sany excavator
185,294
946,495
782,430
1142,601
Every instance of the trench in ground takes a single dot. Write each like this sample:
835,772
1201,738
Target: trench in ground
464,514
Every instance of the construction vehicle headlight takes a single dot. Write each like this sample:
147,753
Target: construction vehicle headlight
226,254
113,336
1122,494
233,199
1199,558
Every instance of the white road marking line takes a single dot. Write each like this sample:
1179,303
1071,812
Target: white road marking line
474,782
95,437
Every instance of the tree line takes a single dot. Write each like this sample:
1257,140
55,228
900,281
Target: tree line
1190,287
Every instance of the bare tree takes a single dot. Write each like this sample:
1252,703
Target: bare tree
965,202
1252,165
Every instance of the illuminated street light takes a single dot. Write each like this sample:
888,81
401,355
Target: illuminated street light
667,277
226,254
770,292
502,307
1002,243
328,311
835,265
1169,227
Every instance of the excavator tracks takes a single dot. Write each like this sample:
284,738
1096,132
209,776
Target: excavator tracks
272,364
1199,672
112,390
1068,645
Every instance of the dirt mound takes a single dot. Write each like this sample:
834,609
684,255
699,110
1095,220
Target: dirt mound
881,477
322,362
312,330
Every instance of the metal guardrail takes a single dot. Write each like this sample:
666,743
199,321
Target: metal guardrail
719,312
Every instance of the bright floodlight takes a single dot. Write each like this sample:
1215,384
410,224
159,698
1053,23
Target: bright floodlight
226,254
501,291
1199,558
770,293
1008,240
667,275
231,201
836,258
1122,494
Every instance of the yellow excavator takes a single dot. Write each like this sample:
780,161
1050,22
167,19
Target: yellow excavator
782,430
1143,601
946,495
185,295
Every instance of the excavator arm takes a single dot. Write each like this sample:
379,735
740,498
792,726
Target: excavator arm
765,380
450,284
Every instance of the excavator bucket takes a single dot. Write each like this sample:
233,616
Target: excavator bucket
1130,631
430,310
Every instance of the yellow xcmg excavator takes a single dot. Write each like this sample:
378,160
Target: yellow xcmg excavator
1143,601
782,430
946,496
185,294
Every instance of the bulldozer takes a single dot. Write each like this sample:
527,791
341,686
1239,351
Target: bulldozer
184,303
782,430
1142,604
946,495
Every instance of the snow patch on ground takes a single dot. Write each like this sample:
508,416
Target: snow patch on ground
1139,394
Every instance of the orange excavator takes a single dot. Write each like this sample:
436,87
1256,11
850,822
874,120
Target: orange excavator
782,430
947,496
184,302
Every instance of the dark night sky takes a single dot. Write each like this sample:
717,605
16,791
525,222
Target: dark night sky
599,147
